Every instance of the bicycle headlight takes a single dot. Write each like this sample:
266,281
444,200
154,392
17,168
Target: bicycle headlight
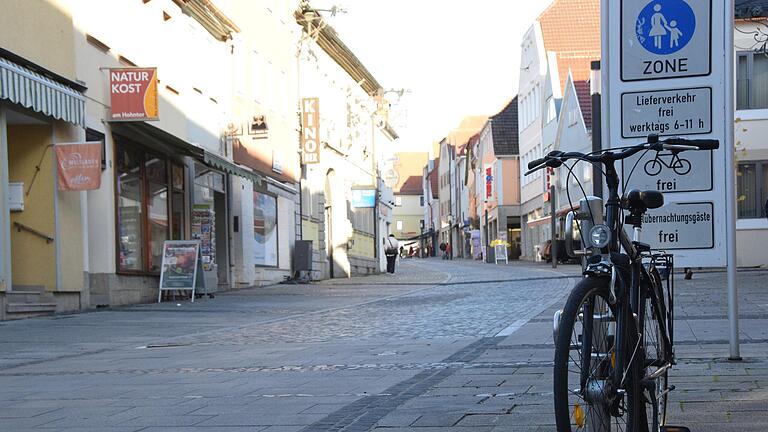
599,236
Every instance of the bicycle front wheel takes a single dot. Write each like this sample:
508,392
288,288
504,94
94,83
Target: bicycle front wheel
585,358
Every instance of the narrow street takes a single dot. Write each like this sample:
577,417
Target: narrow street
343,353
441,345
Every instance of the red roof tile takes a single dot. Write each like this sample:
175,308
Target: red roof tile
571,29
585,101
434,180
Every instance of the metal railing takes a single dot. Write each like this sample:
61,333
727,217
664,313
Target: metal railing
21,227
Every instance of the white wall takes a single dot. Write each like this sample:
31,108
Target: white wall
533,75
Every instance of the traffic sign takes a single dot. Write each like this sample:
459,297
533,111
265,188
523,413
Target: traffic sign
665,39
681,226
666,112
666,71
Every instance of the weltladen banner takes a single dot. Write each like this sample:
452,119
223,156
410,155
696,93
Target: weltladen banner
79,166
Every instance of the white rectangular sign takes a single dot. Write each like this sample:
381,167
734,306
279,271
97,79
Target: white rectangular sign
665,39
666,112
666,70
680,226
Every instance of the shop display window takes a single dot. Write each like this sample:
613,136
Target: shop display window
265,229
146,217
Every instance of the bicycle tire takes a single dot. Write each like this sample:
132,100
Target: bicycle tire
586,289
656,167
652,319
683,167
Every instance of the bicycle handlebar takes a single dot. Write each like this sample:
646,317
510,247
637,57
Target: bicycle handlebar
556,158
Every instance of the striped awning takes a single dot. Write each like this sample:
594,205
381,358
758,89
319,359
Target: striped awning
39,93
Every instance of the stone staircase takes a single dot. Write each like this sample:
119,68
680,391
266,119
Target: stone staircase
27,301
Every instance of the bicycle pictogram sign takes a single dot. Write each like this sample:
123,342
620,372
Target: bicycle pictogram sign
671,161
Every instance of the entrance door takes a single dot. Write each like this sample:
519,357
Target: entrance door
32,227
222,239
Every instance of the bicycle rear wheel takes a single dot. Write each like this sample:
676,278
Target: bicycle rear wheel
584,363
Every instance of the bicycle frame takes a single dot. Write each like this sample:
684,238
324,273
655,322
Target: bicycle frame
628,298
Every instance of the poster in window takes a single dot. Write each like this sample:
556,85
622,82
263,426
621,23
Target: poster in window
265,229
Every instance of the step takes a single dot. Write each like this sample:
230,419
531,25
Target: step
22,296
30,308
28,288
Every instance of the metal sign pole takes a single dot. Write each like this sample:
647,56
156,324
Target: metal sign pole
730,185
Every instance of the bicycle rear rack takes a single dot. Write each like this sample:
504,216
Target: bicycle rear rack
665,264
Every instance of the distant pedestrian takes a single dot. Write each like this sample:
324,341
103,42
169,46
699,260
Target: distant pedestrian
390,250
442,250
448,251
766,209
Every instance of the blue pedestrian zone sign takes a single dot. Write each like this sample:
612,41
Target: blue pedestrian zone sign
665,26
662,39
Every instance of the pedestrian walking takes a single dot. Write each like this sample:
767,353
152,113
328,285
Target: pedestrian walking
448,251
390,250
442,249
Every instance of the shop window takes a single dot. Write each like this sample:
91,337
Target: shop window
265,229
752,189
143,206
130,215
94,135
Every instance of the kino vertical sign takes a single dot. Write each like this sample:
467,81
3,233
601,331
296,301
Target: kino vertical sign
310,130
667,70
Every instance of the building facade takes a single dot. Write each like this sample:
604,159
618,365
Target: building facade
565,37
498,181
408,212
751,127
216,162
353,136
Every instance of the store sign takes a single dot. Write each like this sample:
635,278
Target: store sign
664,75
363,198
181,268
79,166
133,94
310,130
488,170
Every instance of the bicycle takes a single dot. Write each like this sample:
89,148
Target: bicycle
677,164
614,338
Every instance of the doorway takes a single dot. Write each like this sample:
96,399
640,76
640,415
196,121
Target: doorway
329,243
32,218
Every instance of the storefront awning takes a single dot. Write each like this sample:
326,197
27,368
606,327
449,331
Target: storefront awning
21,85
171,144
218,162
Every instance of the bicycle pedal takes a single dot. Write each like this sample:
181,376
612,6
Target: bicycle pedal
675,429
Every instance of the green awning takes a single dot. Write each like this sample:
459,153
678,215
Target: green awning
218,162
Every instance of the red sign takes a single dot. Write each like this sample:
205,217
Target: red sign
133,94
310,130
79,166
488,181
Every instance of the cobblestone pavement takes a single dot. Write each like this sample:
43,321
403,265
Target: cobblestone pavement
440,346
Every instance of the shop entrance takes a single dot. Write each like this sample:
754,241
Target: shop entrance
209,225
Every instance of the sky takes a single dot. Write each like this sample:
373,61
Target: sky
456,58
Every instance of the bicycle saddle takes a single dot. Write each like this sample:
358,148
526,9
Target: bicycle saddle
641,201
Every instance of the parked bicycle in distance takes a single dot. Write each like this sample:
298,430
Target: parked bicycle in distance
614,338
